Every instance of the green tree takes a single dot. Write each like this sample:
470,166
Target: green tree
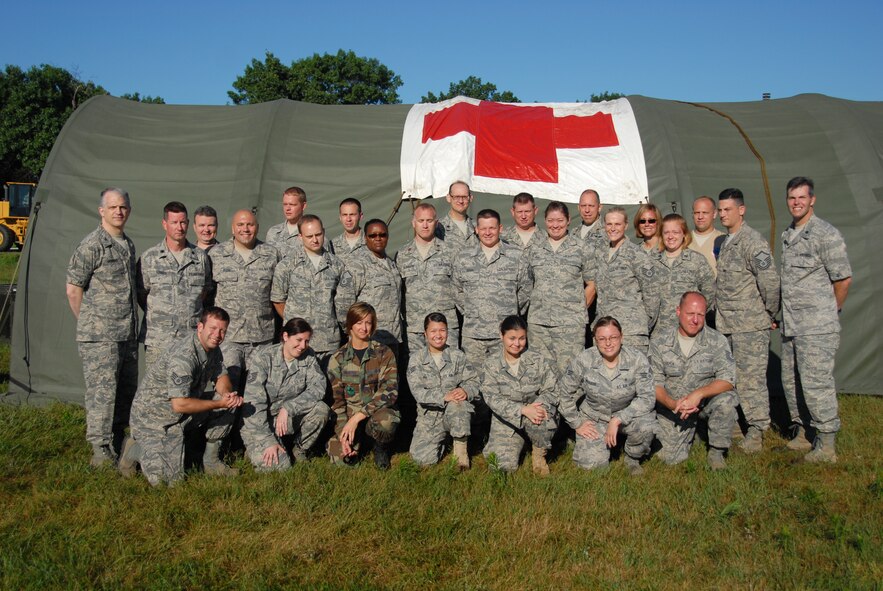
472,87
343,78
34,105
605,96
156,100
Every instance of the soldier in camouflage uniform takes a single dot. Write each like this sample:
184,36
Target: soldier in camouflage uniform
285,236
677,270
173,279
205,225
607,389
524,231
283,400
562,268
426,265
490,285
101,293
172,399
364,385
374,278
456,228
444,385
519,387
816,276
308,285
351,239
694,373
747,300
623,275
591,228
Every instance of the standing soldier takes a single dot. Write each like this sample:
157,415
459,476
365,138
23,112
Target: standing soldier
309,286
747,300
173,279
426,265
205,225
524,231
591,228
351,239
373,278
285,236
101,294
706,239
816,276
457,228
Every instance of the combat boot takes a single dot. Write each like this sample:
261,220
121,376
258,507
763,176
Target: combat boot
716,459
381,456
129,456
823,452
461,452
633,465
298,454
753,442
800,442
538,457
212,464
102,455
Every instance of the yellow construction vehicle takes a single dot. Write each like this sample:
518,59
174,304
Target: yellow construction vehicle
15,208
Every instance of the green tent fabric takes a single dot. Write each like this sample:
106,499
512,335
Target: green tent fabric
244,157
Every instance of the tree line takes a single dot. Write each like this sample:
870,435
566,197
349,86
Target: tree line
35,103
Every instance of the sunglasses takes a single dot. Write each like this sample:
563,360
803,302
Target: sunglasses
646,221
378,235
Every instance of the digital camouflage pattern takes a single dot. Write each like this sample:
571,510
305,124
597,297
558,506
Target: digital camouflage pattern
243,290
586,393
316,295
623,287
710,359
110,371
751,351
428,286
808,361
342,249
595,237
377,282
689,271
506,394
435,417
447,230
273,384
173,294
510,235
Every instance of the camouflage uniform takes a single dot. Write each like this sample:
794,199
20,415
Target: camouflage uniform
812,258
689,271
377,282
106,333
243,290
595,237
710,359
274,384
173,294
623,287
506,394
558,298
370,387
487,292
511,236
587,393
447,230
183,370
747,299
428,287
316,295
341,248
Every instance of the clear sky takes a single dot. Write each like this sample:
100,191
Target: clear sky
190,52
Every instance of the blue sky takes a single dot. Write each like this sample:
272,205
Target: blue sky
190,52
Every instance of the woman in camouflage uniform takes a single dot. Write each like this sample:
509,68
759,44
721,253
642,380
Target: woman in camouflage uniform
648,228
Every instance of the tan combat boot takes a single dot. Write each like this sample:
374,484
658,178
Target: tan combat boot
212,464
461,452
716,459
540,466
800,441
633,465
753,442
129,457
823,452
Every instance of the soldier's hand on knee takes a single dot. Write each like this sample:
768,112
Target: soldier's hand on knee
587,430
612,430
271,455
456,395
282,423
535,413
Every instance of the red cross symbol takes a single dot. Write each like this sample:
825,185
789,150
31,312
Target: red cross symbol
519,143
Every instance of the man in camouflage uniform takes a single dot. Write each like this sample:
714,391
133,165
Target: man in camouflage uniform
816,276
591,228
694,373
490,285
172,399
101,293
283,397
285,236
242,269
456,228
524,231
309,286
747,300
205,225
351,239
426,265
172,280
374,278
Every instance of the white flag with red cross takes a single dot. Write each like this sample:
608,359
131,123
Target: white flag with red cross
552,150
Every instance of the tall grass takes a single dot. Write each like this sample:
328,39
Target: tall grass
8,267
768,521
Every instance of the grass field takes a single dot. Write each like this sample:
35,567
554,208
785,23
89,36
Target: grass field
8,265
768,522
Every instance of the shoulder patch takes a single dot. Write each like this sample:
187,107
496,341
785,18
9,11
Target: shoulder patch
763,260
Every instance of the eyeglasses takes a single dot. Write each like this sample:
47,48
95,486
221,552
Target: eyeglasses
378,235
646,221
460,197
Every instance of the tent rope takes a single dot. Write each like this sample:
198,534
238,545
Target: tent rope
395,209
763,173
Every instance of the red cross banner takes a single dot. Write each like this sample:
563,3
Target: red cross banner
552,150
